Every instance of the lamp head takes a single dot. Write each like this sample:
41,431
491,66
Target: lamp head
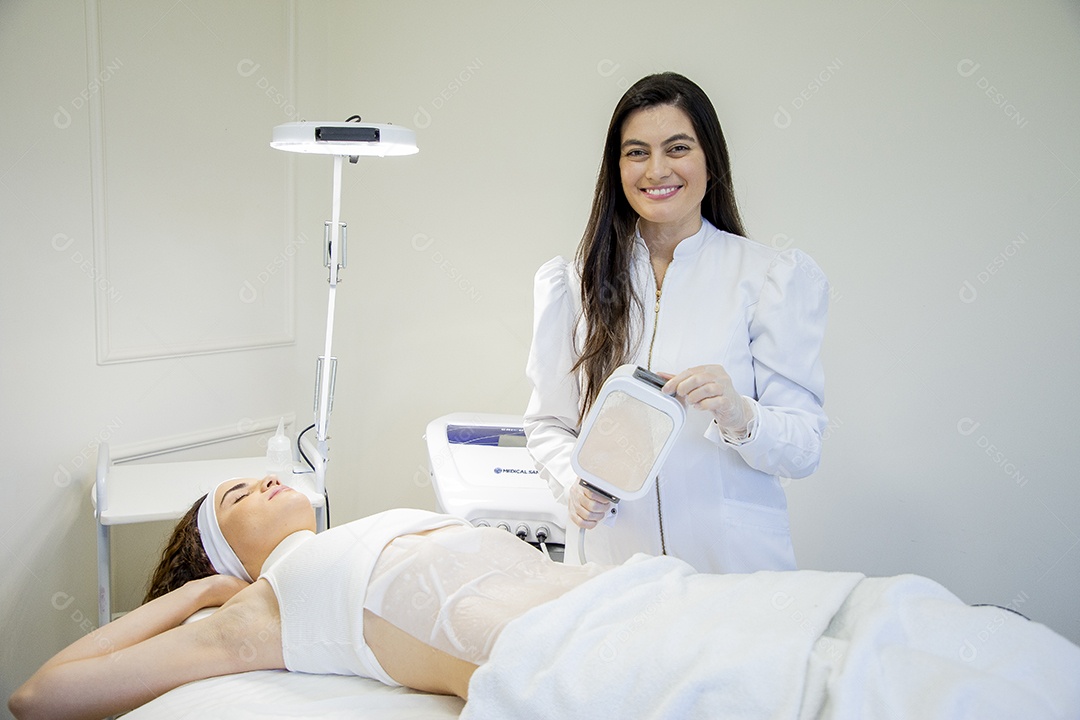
344,138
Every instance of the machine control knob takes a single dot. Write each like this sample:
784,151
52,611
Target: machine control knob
504,526
522,531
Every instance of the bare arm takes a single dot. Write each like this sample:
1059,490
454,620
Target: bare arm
147,652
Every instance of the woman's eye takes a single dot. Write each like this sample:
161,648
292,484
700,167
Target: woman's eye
241,497
635,153
679,149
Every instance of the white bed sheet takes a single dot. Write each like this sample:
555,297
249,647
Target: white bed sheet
272,694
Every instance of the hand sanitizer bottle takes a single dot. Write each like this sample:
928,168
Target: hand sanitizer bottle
279,461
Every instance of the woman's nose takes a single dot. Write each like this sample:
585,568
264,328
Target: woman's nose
657,167
270,481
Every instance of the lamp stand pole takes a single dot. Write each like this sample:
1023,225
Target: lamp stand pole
334,256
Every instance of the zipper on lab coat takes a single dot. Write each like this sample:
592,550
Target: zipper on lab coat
652,341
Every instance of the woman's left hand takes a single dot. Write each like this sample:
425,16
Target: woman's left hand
709,387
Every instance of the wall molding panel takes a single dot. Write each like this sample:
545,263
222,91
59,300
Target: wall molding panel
194,227
160,448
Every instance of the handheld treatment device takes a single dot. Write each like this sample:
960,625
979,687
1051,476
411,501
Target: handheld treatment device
626,436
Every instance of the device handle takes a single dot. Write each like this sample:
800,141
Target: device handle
647,376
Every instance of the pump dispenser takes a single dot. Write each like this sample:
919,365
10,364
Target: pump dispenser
279,460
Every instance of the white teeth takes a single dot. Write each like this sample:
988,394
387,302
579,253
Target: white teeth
659,191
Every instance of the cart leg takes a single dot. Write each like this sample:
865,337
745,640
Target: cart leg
104,575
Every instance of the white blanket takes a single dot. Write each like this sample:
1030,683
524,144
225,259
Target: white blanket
652,639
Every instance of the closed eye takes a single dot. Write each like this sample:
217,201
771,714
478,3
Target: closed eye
234,488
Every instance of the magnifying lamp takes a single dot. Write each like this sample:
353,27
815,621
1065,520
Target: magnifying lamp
350,139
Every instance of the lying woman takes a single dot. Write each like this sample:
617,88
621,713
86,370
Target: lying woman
351,601
412,598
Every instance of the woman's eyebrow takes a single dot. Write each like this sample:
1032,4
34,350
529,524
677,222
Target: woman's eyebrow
237,486
680,137
674,138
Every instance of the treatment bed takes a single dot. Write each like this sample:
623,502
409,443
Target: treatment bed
273,694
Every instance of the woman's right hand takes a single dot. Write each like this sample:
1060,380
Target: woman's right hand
586,507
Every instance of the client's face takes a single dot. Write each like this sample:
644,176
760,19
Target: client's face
255,515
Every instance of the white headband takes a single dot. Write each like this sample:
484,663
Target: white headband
217,548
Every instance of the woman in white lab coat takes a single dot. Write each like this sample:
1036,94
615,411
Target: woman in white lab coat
664,278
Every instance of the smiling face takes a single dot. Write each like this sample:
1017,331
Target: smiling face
663,171
256,515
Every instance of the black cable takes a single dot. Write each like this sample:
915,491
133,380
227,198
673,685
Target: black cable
300,448
1002,607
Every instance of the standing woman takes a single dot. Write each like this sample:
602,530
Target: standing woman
664,278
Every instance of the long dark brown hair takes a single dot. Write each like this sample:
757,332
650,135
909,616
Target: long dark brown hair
183,558
606,248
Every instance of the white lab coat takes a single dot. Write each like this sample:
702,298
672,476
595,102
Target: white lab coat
726,300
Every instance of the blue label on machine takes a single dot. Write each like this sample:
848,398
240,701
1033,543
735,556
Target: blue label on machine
485,435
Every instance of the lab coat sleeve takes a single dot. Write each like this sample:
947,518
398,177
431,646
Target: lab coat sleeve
786,333
551,419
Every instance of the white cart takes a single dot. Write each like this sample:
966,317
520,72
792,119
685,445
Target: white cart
128,494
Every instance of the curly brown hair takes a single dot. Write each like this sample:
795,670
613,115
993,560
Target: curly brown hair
183,558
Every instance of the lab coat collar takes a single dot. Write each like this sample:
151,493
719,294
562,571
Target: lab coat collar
686,248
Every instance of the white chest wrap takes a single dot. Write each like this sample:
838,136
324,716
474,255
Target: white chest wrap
457,588
321,586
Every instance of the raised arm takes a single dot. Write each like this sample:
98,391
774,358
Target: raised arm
147,652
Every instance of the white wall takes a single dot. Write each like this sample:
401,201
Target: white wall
863,133
925,154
